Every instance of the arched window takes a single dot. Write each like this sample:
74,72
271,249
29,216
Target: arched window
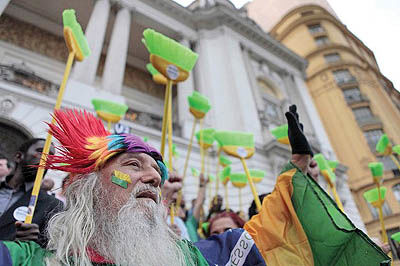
272,114
11,138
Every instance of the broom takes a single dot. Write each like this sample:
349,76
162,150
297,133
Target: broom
384,147
281,134
257,175
174,61
239,180
376,196
78,49
111,112
240,145
329,176
224,176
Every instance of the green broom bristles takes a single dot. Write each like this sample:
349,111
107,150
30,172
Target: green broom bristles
396,149
223,160
376,169
257,173
170,50
324,167
211,177
207,134
195,172
224,174
199,102
383,144
69,20
333,164
372,195
152,70
396,237
114,108
238,179
235,138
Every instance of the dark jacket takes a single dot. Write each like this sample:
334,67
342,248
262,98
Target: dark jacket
46,207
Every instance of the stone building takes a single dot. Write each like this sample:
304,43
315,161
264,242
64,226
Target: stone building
355,101
250,78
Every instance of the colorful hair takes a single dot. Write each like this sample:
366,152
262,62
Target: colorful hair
86,145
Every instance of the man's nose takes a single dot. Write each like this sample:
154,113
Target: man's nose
151,177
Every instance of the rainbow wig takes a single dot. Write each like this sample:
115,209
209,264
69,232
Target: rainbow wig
86,145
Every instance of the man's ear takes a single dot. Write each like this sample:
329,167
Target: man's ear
19,156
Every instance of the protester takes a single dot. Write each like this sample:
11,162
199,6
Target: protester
47,185
5,167
15,193
224,221
253,209
216,207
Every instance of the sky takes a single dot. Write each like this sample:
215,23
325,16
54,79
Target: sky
375,22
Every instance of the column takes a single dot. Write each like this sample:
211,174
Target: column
3,5
85,71
114,68
185,89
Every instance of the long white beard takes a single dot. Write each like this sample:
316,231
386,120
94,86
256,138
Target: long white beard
138,235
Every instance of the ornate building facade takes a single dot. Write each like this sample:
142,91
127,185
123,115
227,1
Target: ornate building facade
356,102
250,78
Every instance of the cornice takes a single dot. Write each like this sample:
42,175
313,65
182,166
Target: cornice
221,15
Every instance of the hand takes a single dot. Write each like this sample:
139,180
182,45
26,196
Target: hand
26,232
203,181
171,187
313,170
301,150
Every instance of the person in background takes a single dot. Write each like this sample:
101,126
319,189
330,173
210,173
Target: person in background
15,193
47,185
216,206
224,221
5,167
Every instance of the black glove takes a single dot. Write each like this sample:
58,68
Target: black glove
297,139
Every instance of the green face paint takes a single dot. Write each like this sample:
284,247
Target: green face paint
119,182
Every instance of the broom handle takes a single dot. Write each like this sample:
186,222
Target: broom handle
226,197
202,150
172,213
337,199
252,187
170,133
384,234
396,162
165,116
46,149
240,200
179,199
217,177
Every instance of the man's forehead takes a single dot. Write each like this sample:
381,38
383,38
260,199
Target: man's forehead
138,155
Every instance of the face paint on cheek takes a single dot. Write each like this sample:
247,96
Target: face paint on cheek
121,179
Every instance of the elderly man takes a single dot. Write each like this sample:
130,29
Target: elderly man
114,214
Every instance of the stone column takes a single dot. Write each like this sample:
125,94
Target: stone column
185,89
85,71
3,5
114,68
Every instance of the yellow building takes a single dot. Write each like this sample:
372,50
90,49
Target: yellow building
356,103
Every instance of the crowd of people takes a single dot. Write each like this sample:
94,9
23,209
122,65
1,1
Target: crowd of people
97,220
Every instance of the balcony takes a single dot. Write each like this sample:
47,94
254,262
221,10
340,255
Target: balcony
348,81
25,77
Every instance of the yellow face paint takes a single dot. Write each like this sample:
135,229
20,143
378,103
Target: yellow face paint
121,179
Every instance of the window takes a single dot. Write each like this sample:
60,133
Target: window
322,40
352,95
373,137
375,213
362,113
331,58
315,28
388,164
396,191
343,76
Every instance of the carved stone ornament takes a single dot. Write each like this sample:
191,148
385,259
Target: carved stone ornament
7,104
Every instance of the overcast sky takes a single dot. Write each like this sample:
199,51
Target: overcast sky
375,22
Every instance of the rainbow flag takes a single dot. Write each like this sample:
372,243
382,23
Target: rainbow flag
299,224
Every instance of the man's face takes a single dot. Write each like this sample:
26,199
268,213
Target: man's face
32,157
4,170
142,169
